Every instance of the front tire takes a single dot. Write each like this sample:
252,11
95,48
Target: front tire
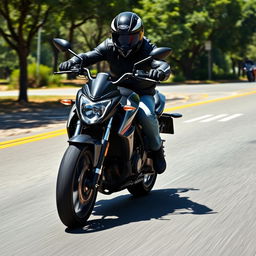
145,186
250,76
74,195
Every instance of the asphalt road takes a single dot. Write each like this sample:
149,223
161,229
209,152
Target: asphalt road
204,204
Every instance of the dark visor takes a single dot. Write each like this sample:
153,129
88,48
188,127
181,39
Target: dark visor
126,41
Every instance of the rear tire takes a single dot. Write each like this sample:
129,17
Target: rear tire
144,187
75,198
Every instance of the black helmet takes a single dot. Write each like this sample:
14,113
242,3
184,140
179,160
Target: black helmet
127,32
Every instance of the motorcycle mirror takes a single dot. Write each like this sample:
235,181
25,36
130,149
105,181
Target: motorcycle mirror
64,46
61,44
160,53
157,53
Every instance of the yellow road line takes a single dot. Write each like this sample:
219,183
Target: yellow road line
31,137
209,101
42,136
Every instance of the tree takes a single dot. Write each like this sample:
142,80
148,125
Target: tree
186,25
22,19
8,59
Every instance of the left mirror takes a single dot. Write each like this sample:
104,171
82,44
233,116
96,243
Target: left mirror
61,44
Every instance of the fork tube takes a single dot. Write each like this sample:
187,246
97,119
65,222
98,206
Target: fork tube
78,128
103,153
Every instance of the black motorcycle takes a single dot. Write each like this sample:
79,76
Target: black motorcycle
250,70
107,148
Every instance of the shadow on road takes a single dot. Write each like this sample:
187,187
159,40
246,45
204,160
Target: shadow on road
26,116
126,209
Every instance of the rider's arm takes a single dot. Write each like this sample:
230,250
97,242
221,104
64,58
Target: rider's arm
163,67
94,56
160,70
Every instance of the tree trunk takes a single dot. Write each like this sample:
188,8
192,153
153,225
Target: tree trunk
233,66
70,76
187,69
23,97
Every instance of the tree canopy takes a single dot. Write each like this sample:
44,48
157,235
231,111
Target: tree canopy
183,25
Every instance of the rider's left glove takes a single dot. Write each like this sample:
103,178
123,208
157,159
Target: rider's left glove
156,74
66,65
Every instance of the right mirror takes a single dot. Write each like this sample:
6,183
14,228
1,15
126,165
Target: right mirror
160,53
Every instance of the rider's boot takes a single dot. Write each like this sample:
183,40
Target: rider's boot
159,162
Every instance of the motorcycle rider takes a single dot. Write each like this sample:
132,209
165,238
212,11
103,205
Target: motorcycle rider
126,47
247,61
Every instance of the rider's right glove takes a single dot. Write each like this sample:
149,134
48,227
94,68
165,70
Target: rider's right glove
156,74
66,65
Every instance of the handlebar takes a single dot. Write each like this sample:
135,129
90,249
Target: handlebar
64,72
138,74
78,71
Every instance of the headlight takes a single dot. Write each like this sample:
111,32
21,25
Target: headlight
93,112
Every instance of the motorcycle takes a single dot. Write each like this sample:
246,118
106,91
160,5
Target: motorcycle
107,149
250,70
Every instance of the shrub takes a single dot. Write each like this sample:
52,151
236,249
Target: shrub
44,78
178,78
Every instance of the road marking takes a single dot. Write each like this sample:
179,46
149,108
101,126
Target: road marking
213,118
210,117
210,101
197,119
230,117
41,136
47,135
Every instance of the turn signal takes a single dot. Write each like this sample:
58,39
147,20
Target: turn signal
129,108
67,102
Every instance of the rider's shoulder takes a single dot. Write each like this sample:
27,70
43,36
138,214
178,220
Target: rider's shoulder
105,45
147,46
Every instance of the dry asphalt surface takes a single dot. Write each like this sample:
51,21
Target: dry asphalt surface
204,204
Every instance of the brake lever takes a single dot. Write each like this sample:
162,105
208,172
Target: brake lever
63,72
78,71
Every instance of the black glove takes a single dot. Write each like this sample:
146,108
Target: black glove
156,74
66,65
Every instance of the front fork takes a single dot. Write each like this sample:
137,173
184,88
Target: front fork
102,155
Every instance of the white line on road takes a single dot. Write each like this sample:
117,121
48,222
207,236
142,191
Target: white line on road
230,117
197,119
210,117
213,118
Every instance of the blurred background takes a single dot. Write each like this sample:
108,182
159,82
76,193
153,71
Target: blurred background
210,38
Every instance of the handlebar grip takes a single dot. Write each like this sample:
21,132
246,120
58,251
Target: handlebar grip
141,74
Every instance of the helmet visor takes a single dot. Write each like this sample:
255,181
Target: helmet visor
126,41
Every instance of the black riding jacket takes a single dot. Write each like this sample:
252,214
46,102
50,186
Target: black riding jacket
120,65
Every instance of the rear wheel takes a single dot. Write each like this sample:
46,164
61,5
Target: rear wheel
75,197
145,186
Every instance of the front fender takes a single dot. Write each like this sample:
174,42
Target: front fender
82,139
87,139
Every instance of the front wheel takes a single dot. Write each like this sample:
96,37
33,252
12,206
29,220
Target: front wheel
74,195
250,76
144,187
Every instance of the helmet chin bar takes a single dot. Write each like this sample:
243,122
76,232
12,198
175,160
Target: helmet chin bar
124,54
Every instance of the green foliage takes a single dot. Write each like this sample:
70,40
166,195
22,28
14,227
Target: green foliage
178,78
35,79
184,25
251,49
